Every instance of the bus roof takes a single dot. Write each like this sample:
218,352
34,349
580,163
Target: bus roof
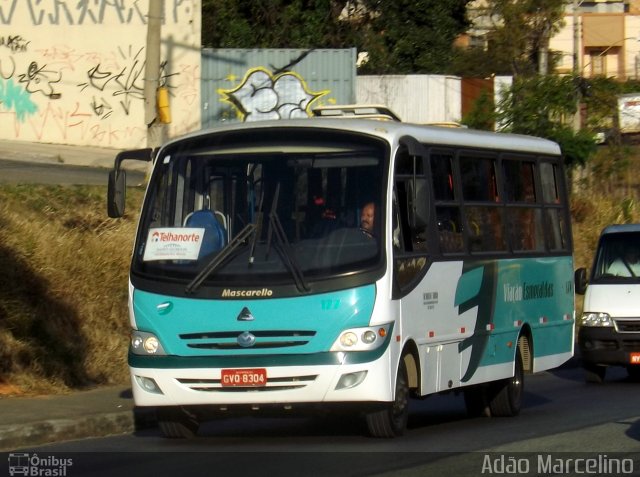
393,130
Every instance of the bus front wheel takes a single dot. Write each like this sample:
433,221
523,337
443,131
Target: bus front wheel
176,422
391,421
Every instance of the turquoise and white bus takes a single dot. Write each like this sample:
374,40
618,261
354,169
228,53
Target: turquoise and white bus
253,287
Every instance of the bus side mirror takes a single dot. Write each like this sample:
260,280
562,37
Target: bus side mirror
581,280
116,193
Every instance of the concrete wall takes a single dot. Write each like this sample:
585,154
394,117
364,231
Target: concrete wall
414,98
72,72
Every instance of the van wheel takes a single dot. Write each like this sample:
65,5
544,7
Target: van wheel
594,373
176,422
505,396
392,420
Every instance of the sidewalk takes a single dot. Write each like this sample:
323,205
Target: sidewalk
33,421
57,154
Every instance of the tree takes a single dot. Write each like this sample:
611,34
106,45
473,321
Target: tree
412,36
399,36
517,39
275,24
539,106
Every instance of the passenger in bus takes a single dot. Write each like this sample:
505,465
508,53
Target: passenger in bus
367,217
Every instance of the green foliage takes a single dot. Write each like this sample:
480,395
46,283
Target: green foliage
519,31
542,106
399,36
412,36
275,24
482,115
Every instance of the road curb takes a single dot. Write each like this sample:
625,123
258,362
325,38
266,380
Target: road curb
16,436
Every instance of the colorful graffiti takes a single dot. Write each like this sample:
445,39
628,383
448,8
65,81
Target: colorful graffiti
16,98
261,95
73,71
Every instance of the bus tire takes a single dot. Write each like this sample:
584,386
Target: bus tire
176,422
505,396
392,420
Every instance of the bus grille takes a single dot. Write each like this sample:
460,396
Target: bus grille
260,339
273,384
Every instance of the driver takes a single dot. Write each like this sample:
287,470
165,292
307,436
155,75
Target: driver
367,217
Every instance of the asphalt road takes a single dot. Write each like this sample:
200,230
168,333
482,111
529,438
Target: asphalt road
563,417
15,172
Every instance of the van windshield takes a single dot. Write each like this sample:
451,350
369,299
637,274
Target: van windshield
618,258
275,206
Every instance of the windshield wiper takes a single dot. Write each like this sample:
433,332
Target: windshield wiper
221,257
283,248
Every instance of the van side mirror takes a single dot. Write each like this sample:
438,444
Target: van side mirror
581,280
116,193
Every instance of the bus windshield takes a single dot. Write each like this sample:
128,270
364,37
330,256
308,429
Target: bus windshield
256,207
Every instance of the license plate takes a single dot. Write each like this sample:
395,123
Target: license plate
634,358
244,377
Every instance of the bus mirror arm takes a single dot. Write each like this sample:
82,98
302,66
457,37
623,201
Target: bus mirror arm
117,185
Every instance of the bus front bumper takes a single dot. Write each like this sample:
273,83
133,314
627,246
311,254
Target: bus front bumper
185,381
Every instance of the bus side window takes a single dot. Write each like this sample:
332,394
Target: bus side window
448,219
449,229
485,229
554,218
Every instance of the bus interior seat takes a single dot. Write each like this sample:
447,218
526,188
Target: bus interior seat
215,235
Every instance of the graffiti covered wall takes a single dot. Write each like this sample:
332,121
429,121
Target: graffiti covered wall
253,85
72,71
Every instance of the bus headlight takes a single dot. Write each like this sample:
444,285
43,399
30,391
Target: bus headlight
361,339
144,343
596,319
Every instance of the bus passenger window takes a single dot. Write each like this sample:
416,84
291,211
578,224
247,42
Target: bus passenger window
519,181
478,179
549,187
449,229
526,229
442,174
557,227
485,229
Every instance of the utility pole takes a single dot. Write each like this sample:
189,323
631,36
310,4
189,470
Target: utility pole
543,52
152,73
576,64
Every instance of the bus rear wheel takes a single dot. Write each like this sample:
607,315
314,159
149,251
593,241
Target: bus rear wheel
505,396
176,422
392,420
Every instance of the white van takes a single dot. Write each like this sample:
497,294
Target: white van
609,328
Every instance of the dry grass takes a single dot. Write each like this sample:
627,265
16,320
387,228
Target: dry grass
63,278
63,289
